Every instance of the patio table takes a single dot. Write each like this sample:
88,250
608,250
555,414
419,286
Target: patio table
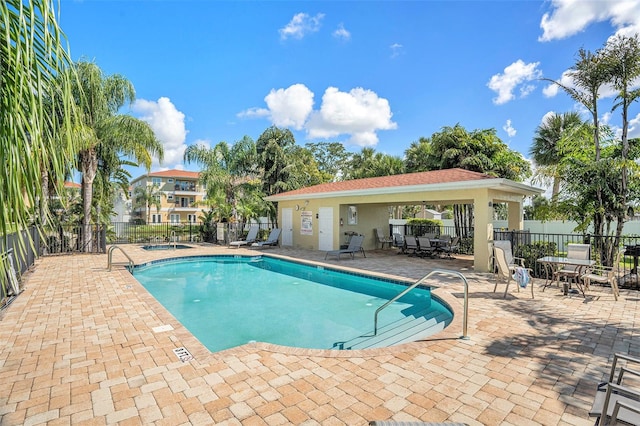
550,262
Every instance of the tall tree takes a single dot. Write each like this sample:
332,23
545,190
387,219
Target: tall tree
546,149
273,147
368,163
230,175
148,196
34,146
331,158
105,133
588,75
417,155
622,55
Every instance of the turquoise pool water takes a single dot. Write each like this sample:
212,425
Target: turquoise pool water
227,301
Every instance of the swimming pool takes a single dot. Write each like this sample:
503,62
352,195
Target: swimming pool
227,301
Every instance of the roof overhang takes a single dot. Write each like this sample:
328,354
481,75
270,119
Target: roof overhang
497,184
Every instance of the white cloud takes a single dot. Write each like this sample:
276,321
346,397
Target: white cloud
509,129
606,91
359,113
254,113
342,33
570,17
514,75
634,127
204,143
396,50
167,124
290,107
300,25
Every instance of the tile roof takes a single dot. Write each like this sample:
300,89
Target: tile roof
408,179
174,173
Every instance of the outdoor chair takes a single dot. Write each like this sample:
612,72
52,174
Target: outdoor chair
452,246
574,251
272,239
251,238
618,399
604,275
506,273
381,239
398,241
411,245
355,246
512,261
425,247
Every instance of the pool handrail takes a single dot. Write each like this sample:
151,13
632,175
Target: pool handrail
417,283
173,238
110,258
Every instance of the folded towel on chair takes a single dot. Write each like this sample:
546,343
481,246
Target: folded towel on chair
521,275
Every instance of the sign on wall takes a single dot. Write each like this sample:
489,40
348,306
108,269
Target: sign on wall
306,226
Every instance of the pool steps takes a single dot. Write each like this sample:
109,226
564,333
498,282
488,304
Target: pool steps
402,331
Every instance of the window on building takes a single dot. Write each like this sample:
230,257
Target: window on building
170,197
170,180
174,218
192,218
156,181
156,218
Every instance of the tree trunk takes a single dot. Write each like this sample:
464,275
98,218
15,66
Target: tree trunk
89,168
44,201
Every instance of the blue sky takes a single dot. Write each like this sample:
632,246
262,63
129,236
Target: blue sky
379,74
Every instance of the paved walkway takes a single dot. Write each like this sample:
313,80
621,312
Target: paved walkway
79,347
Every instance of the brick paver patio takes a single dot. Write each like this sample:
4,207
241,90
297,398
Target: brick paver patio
78,347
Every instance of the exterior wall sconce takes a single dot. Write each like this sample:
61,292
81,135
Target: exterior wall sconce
490,204
317,216
341,222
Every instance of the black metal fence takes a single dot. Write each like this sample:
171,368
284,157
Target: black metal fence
531,246
216,233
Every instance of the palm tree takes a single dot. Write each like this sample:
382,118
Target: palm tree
148,196
230,172
33,145
546,150
105,134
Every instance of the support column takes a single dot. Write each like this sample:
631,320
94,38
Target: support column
516,215
483,231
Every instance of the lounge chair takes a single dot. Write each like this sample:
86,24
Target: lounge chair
272,239
617,401
381,239
355,246
251,238
506,273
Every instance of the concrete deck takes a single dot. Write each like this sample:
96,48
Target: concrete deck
78,347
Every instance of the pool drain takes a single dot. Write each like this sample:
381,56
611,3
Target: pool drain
183,354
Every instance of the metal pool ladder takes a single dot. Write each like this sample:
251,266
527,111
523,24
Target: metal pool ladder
417,283
130,263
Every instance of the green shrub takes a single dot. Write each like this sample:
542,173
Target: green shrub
425,226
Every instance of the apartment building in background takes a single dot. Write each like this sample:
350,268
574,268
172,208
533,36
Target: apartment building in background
179,194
